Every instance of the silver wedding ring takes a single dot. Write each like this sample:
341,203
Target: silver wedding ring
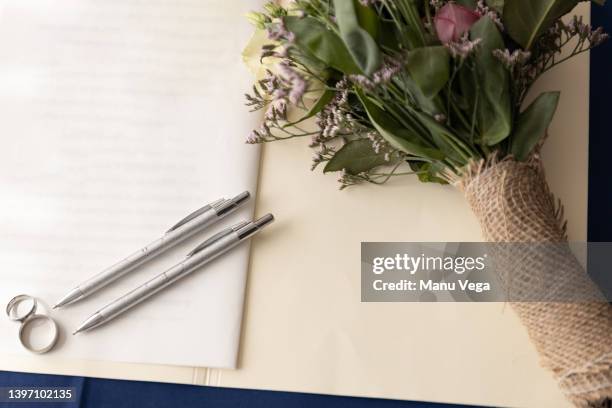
25,341
28,317
12,308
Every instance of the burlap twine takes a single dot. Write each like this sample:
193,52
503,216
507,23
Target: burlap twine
513,203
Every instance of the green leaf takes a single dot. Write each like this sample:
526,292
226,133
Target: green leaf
532,124
387,36
427,172
443,137
431,106
356,157
315,38
471,4
318,106
429,67
526,20
413,32
497,5
326,98
397,136
494,112
368,19
359,42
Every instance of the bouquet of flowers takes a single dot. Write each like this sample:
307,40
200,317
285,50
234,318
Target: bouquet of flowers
437,89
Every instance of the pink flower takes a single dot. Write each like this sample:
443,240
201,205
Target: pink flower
453,20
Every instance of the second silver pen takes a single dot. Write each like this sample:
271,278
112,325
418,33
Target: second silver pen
204,253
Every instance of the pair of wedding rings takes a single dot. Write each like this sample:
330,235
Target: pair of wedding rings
22,309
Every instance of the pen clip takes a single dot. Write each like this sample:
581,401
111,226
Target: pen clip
217,237
196,213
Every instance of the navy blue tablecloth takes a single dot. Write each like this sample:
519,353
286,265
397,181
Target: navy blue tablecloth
100,393
600,135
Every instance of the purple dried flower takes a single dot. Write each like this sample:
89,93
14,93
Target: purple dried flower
278,32
511,60
463,48
389,69
295,82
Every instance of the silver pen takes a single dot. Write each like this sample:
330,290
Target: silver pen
210,249
188,226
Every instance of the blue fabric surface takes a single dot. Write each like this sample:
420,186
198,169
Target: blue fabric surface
99,393
600,141
600,146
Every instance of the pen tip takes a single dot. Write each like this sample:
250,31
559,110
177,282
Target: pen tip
75,332
73,295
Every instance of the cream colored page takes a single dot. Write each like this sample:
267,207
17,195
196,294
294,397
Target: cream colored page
118,119
305,328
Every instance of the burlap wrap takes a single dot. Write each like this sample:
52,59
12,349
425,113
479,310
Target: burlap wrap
574,339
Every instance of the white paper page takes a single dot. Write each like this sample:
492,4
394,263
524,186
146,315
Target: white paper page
118,118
